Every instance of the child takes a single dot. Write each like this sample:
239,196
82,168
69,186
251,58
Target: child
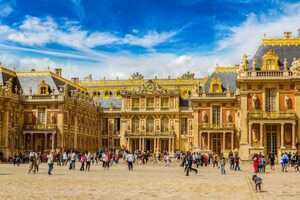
257,181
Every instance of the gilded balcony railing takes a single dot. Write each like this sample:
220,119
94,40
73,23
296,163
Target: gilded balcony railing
269,74
156,133
216,95
272,115
40,127
209,126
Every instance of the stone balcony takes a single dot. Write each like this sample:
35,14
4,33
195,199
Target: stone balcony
226,95
210,126
40,127
272,116
54,97
156,133
274,74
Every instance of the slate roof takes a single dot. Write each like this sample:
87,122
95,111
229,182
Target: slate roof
226,78
26,82
110,102
288,52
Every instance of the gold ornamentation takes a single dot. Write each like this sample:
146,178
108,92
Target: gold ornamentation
272,115
229,69
270,61
43,88
280,41
215,85
224,126
188,76
137,76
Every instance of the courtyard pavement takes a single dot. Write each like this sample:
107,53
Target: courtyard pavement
144,182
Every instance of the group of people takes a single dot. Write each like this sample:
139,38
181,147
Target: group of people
286,160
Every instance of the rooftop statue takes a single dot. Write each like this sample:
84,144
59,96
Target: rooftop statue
295,67
188,75
137,76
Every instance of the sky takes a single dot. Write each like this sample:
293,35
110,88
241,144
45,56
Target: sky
115,38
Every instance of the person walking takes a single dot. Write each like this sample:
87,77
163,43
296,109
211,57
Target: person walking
72,161
82,160
50,162
272,161
237,162
129,160
65,158
32,162
222,163
189,162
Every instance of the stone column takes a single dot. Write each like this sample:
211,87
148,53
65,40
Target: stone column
250,135
154,144
140,143
224,138
232,141
53,139
158,145
261,135
46,141
169,146
200,140
31,141
293,137
208,140
282,136
75,132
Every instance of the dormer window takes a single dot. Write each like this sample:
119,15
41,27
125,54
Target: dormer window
106,94
270,65
43,88
270,61
215,85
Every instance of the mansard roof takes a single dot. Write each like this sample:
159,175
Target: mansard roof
283,51
112,101
227,76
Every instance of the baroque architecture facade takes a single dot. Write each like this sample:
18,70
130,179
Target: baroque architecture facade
252,107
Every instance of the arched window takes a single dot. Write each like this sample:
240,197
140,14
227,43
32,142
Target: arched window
135,124
150,124
164,124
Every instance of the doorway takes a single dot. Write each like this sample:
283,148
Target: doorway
271,138
216,141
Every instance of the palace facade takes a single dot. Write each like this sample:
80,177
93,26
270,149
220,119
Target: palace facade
251,107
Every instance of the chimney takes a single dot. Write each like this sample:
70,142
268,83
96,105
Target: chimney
298,33
58,71
75,80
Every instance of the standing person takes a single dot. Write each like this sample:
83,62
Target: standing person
88,162
50,162
231,161
222,163
82,160
272,161
32,162
73,159
95,158
189,161
65,158
168,160
284,160
129,160
237,162
255,163
106,161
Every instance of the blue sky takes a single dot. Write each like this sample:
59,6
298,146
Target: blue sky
109,38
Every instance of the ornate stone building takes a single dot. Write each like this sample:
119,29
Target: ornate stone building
252,107
41,110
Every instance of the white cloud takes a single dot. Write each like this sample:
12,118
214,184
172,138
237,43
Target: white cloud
34,31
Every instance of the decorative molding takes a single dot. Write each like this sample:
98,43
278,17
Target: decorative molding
280,41
270,56
215,81
229,69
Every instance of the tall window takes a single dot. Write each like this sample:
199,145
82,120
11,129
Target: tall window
43,90
164,102
271,100
150,103
164,124
270,64
150,124
41,115
135,124
105,126
135,103
184,125
117,124
216,115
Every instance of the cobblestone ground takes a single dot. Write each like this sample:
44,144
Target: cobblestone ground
145,182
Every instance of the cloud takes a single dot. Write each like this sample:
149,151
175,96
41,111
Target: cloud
34,31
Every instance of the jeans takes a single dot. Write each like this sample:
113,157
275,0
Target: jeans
130,165
223,169
50,167
237,167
